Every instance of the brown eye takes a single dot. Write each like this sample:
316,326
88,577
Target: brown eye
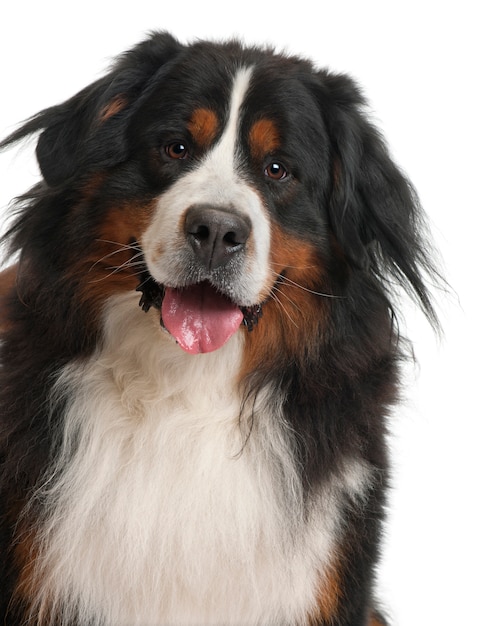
275,171
176,150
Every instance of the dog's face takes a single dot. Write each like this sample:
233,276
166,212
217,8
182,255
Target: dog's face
227,183
239,154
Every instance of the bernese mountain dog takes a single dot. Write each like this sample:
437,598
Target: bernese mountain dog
199,346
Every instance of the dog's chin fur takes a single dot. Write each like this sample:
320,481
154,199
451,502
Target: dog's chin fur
141,483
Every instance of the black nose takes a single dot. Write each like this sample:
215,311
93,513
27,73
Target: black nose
216,235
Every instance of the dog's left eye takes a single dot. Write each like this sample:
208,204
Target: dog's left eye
177,150
276,171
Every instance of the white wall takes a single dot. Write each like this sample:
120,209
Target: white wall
426,69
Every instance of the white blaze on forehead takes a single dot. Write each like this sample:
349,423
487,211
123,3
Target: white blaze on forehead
217,175
225,151
215,181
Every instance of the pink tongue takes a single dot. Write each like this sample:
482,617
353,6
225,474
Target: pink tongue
199,317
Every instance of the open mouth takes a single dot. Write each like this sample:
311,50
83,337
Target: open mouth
198,316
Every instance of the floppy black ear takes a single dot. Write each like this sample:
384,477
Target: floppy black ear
374,210
87,131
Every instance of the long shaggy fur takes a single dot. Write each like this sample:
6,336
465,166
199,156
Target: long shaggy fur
141,483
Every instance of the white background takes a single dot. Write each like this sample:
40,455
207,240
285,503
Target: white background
426,69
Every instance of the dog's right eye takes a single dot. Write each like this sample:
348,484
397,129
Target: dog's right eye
176,150
276,171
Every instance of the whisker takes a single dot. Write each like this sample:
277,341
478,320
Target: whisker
121,246
98,280
293,267
143,282
277,300
131,262
126,265
293,283
290,300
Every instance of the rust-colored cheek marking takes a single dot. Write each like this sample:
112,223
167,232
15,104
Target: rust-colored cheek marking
203,127
263,138
293,316
113,262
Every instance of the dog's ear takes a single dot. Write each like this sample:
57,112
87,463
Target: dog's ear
374,211
87,131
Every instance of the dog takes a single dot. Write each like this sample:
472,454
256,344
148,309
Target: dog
200,346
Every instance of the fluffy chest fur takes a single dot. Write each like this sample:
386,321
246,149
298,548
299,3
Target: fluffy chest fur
159,512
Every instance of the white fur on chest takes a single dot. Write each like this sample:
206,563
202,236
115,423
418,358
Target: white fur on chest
161,514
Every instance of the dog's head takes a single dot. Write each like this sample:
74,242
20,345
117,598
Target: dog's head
222,181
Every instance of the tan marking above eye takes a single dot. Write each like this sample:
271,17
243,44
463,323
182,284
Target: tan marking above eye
203,126
263,138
